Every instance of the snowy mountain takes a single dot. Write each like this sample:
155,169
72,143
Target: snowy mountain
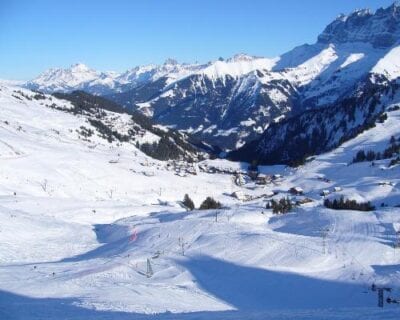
97,230
230,102
319,130
81,77
224,103
349,96
381,29
77,77
106,123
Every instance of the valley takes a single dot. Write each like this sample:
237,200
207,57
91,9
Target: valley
243,188
79,224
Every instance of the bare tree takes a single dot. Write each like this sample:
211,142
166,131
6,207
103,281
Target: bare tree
110,193
44,185
182,245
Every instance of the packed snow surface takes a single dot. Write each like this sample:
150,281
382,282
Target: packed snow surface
81,222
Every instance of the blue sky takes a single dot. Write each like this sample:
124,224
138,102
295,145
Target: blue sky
120,34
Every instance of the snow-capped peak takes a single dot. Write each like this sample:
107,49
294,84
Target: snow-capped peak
77,76
171,61
242,57
361,12
381,29
79,67
237,66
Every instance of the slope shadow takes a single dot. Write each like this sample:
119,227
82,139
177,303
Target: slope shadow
298,56
386,269
114,240
14,306
106,233
19,307
248,288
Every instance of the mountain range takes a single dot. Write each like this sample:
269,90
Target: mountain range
229,103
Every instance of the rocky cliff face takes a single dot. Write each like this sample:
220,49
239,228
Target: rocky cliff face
381,29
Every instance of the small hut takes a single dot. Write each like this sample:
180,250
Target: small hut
263,179
297,191
240,196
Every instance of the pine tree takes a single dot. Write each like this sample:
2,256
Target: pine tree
360,156
210,203
188,203
284,205
348,204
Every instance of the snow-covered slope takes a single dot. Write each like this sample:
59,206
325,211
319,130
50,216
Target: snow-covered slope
107,123
389,65
81,219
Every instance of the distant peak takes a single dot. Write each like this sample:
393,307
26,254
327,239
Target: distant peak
395,5
171,61
241,57
341,17
362,12
80,67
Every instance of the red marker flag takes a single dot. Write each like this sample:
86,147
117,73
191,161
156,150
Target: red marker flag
133,236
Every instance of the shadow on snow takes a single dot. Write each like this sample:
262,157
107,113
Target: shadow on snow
248,288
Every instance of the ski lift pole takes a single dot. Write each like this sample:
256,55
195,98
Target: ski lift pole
324,235
381,291
149,271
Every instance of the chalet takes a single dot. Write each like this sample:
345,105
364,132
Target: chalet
181,174
337,189
296,191
192,171
148,173
303,201
277,176
240,196
324,193
269,194
263,179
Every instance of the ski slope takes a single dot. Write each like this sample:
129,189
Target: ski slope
80,220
